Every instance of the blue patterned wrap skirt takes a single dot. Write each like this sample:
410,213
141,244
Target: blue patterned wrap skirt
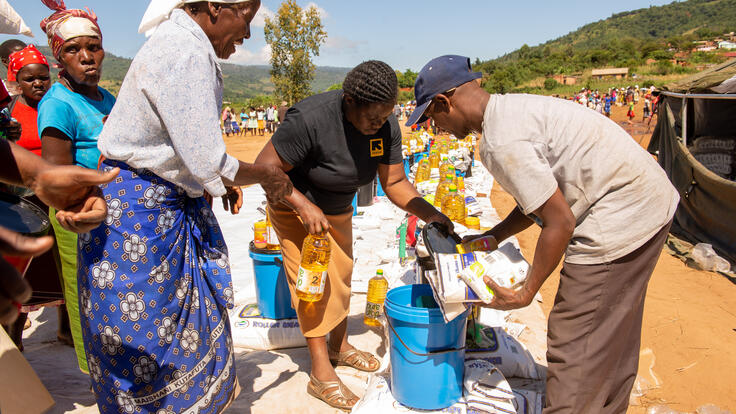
154,289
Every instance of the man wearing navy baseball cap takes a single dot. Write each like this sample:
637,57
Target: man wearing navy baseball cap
587,181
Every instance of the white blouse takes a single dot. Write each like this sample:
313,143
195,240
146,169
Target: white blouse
166,118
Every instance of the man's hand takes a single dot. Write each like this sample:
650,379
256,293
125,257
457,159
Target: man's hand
275,183
233,200
66,186
13,288
442,219
508,299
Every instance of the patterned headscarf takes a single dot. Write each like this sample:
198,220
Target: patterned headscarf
67,24
22,58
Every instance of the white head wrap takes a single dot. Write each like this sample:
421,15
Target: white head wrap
160,10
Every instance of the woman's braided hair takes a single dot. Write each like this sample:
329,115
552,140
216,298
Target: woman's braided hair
370,82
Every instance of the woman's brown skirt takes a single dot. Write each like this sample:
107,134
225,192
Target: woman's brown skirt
317,318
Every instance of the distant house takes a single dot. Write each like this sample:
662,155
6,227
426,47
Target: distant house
567,79
730,54
727,44
610,73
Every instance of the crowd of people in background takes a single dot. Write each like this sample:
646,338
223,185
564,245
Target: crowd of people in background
253,120
629,97
403,111
257,121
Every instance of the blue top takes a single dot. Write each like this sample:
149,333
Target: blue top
78,117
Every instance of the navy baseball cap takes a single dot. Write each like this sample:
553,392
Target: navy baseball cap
439,76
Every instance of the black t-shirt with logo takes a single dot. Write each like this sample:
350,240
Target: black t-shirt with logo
331,158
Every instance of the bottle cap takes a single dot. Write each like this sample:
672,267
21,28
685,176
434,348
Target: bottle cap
449,176
379,272
453,188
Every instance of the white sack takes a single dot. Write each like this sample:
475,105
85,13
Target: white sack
253,332
503,351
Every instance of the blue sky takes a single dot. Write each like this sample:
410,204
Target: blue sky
405,34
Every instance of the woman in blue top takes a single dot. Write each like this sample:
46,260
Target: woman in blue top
70,118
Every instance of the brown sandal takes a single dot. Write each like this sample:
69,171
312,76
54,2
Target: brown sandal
333,393
359,360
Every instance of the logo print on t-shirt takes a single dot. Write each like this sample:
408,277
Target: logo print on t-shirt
377,147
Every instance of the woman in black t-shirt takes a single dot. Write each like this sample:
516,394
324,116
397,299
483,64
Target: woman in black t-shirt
330,144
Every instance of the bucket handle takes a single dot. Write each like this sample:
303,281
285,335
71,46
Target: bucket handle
431,353
278,261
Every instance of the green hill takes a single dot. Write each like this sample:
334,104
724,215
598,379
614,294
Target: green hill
241,82
625,39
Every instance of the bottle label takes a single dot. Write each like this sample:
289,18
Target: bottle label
259,237
373,310
271,237
311,282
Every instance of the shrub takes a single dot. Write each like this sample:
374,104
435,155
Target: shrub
550,84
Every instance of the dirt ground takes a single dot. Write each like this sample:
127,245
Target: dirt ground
689,328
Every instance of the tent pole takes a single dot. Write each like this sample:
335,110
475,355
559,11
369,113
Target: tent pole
684,121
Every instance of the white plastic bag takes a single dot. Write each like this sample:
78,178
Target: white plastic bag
378,399
661,409
711,409
252,331
708,259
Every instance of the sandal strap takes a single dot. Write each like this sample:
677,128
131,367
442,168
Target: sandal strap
340,395
356,358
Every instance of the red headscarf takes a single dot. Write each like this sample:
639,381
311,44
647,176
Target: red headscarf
22,58
67,24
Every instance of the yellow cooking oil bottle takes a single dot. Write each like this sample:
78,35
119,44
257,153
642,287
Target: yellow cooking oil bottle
272,239
444,148
460,182
445,166
423,171
312,274
442,189
451,171
377,288
453,205
434,159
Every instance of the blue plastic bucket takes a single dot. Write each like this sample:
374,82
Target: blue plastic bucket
427,354
272,290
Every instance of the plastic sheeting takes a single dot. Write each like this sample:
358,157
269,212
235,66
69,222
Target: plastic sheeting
707,201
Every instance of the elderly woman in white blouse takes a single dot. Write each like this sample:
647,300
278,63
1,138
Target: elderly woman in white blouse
154,279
